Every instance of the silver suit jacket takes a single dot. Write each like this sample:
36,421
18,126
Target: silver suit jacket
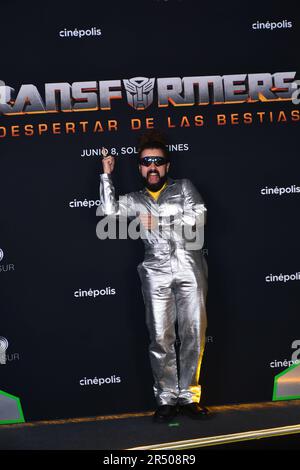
179,209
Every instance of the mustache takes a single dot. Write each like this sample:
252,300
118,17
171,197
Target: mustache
153,172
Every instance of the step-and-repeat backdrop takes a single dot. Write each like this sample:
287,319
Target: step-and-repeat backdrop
221,82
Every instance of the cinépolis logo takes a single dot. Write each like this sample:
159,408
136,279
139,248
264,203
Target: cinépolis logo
280,191
113,379
283,277
81,293
294,359
86,203
271,25
79,33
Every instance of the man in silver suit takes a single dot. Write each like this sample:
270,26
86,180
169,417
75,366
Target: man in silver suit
173,274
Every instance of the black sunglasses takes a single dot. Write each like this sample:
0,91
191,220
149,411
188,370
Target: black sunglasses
158,161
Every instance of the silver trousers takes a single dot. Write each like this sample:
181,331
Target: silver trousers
174,289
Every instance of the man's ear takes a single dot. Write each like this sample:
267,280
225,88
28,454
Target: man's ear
168,164
140,168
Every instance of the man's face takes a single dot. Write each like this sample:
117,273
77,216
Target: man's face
154,176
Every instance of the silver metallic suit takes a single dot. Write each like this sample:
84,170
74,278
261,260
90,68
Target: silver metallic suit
174,283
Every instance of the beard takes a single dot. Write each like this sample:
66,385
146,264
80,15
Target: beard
158,184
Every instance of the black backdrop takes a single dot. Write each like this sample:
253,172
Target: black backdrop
59,338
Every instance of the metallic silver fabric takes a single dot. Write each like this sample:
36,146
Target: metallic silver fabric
174,284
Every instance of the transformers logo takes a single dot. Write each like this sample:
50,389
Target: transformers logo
171,91
139,92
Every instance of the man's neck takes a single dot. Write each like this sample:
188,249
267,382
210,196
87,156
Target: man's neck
155,194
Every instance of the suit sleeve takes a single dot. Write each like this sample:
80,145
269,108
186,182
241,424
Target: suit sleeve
108,203
194,212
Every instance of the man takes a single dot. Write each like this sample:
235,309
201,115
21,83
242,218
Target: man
173,275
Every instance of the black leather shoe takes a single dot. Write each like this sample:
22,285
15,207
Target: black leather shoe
165,413
195,411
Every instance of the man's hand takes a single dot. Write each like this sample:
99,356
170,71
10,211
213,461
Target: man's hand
148,221
108,162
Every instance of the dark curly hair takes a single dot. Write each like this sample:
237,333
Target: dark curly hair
153,140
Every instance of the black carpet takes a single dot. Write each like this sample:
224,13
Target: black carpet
124,433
